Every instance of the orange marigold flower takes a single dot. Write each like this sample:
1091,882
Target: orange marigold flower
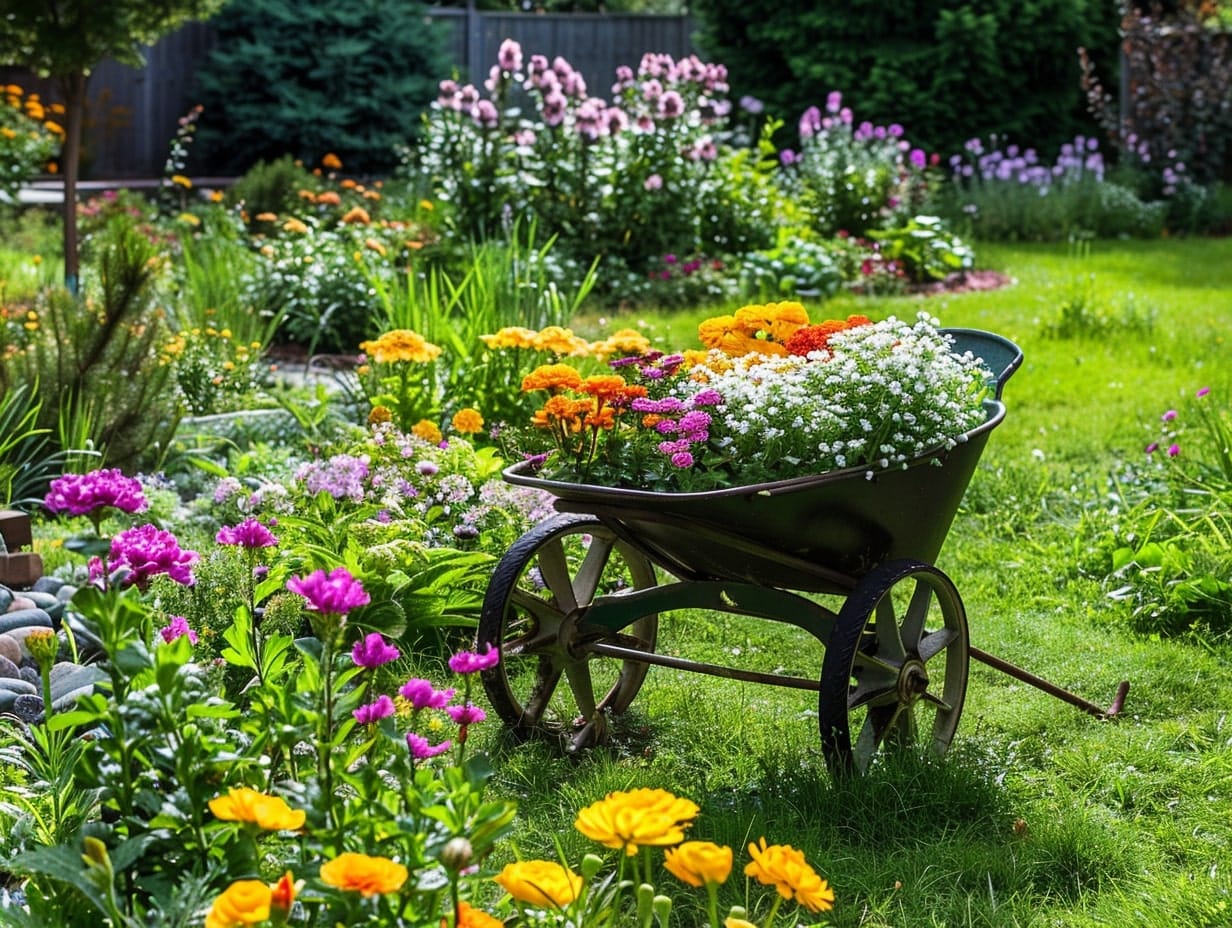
380,414
244,902
347,183
329,198
428,431
271,813
306,195
712,331
562,410
401,345
626,342
514,336
603,385
561,341
356,215
360,873
467,421
266,217
602,418
637,818
294,225
470,917
373,245
553,377
699,862
540,882
784,868
331,162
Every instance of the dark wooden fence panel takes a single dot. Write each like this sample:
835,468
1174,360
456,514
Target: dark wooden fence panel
133,113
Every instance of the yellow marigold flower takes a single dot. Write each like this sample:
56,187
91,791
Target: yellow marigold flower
380,414
306,195
540,882
373,245
774,320
469,917
34,109
244,902
401,345
294,225
626,342
13,90
181,181
428,431
189,219
699,862
467,421
331,162
514,336
54,128
267,251
561,341
712,331
271,813
267,217
329,198
784,868
368,876
636,819
426,205
371,195
7,132
357,215
217,196
553,377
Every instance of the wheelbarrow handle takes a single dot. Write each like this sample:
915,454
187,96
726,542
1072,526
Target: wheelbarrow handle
1000,355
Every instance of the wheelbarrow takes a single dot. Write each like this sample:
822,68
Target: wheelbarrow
574,605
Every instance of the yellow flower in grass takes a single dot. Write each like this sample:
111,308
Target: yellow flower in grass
401,345
699,862
732,922
552,377
638,818
428,431
469,917
270,813
540,882
244,902
514,336
467,421
784,868
368,876
625,343
561,341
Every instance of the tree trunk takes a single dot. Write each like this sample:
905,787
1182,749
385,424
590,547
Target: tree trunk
73,86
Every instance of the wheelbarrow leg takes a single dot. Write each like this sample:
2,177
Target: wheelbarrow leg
1118,699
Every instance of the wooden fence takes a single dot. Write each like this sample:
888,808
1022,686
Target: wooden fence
133,113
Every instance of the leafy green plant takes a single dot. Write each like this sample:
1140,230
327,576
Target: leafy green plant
800,265
925,248
30,136
28,460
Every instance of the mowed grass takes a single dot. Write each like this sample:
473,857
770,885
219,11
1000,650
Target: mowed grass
1039,814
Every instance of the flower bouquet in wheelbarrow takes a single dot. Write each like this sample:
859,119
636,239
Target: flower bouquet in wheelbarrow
781,460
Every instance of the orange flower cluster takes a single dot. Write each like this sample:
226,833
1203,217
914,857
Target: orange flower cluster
401,345
270,813
756,328
575,422
784,868
811,338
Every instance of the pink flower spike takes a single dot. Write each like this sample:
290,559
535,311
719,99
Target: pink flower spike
1202,392
372,652
248,534
336,593
1174,450
421,694
470,714
1169,415
420,748
470,662
383,708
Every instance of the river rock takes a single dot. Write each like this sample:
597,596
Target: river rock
6,598
28,708
67,677
20,601
30,675
46,584
17,685
8,667
19,634
47,602
68,701
65,592
10,648
25,618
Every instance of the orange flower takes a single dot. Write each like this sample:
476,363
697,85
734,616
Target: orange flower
713,330
603,385
356,215
515,336
638,818
244,902
267,217
784,868
294,225
553,377
270,813
561,341
401,345
467,421
428,431
331,162
329,198
540,882
469,917
368,876
699,862
562,411
283,893
373,245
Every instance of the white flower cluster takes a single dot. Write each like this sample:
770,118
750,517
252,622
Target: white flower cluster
878,396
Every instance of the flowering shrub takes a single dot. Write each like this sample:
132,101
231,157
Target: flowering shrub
773,397
29,137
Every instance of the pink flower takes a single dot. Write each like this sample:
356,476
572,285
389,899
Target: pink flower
682,459
336,592
470,662
509,57
372,652
1202,392
177,627
653,182
469,714
1152,447
421,749
421,694
248,534
82,494
383,708
148,551
1169,415
1174,450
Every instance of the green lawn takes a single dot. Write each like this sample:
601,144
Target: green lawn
1039,815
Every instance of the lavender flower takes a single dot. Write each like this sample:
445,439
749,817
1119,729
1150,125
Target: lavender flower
84,494
372,651
373,712
471,662
250,533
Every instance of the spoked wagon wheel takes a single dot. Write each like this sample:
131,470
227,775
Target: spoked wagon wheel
546,681
895,668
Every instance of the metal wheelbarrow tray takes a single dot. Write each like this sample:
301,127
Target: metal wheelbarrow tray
574,604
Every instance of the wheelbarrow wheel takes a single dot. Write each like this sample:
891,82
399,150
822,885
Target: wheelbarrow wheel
546,682
894,674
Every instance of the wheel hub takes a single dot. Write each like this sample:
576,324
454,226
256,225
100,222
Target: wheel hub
912,681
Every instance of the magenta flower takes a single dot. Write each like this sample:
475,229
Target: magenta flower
372,652
1169,415
336,592
421,694
1202,391
422,750
470,662
1174,450
148,551
82,494
469,714
248,534
383,708
176,628
1152,447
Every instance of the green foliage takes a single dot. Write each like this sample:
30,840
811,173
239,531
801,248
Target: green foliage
1084,312
271,187
925,248
347,78
28,460
799,265
29,139
940,69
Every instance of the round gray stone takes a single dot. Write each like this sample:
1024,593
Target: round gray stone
6,598
68,700
30,675
9,668
16,685
25,618
67,678
10,648
28,708
50,585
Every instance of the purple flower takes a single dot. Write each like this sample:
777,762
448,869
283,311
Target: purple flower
426,468
383,708
509,57
708,397
1202,392
470,662
82,494
148,551
653,182
810,122
1169,415
751,104
336,592
177,627
421,694
469,714
787,157
422,750
682,459
1174,450
1152,447
372,652
250,533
